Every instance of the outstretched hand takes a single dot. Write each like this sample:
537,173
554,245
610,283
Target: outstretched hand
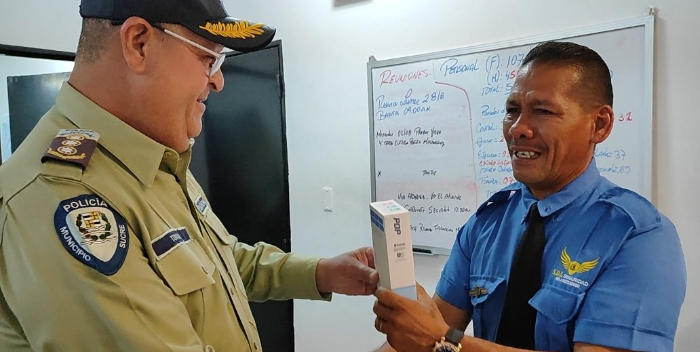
351,273
409,325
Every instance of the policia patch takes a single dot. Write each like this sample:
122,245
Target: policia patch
92,232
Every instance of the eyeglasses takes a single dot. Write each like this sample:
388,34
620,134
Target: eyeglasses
219,56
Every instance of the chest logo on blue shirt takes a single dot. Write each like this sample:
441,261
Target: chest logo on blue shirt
92,232
572,268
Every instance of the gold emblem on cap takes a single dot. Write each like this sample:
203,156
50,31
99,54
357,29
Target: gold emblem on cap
240,30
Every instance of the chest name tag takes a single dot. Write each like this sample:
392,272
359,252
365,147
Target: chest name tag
169,241
92,232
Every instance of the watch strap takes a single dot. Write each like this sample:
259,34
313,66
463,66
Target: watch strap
454,336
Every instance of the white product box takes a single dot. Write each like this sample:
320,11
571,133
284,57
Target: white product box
393,249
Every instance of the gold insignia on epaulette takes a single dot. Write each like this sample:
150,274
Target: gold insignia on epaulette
75,146
240,30
478,292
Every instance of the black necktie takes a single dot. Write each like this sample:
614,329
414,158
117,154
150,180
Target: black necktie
517,326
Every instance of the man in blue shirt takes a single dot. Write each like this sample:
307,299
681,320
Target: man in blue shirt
612,274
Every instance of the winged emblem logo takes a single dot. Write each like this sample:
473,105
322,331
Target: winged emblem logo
574,267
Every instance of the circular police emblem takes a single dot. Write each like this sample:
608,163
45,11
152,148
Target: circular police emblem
92,232
71,143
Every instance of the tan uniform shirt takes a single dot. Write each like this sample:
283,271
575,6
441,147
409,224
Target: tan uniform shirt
170,295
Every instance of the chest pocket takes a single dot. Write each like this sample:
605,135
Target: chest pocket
186,268
556,313
486,294
226,249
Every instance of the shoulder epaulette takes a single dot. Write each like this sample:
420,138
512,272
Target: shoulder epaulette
640,210
72,146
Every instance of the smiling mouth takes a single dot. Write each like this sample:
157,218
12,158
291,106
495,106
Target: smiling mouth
526,155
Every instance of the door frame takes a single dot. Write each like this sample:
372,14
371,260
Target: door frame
32,53
36,53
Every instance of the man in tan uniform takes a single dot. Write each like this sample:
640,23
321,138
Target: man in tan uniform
107,242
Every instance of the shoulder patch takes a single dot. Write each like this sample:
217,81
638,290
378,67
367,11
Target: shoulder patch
73,146
639,209
92,232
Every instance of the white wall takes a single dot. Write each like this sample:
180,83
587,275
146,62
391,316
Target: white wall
325,53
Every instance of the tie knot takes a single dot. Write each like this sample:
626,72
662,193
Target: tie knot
534,212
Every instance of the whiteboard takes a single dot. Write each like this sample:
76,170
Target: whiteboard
435,124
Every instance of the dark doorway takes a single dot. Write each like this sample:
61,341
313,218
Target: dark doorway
29,98
241,162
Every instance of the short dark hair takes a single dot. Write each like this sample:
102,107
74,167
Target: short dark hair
594,73
95,34
93,39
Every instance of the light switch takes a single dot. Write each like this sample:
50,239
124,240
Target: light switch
327,199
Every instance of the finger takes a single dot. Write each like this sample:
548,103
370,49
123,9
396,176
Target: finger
369,252
370,288
382,311
368,274
381,325
381,293
361,270
373,277
420,288
422,294
391,299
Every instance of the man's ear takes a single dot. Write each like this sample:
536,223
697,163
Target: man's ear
603,123
138,39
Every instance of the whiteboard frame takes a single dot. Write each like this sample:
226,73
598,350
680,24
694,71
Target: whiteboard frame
646,21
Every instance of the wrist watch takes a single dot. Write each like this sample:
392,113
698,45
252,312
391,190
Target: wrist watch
451,342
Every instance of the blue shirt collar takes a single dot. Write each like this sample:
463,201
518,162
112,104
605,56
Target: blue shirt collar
583,183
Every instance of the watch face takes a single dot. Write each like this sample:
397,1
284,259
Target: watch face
445,348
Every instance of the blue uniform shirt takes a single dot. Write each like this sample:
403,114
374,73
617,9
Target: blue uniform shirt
613,272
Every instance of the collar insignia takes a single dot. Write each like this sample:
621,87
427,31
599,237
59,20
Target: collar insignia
202,205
